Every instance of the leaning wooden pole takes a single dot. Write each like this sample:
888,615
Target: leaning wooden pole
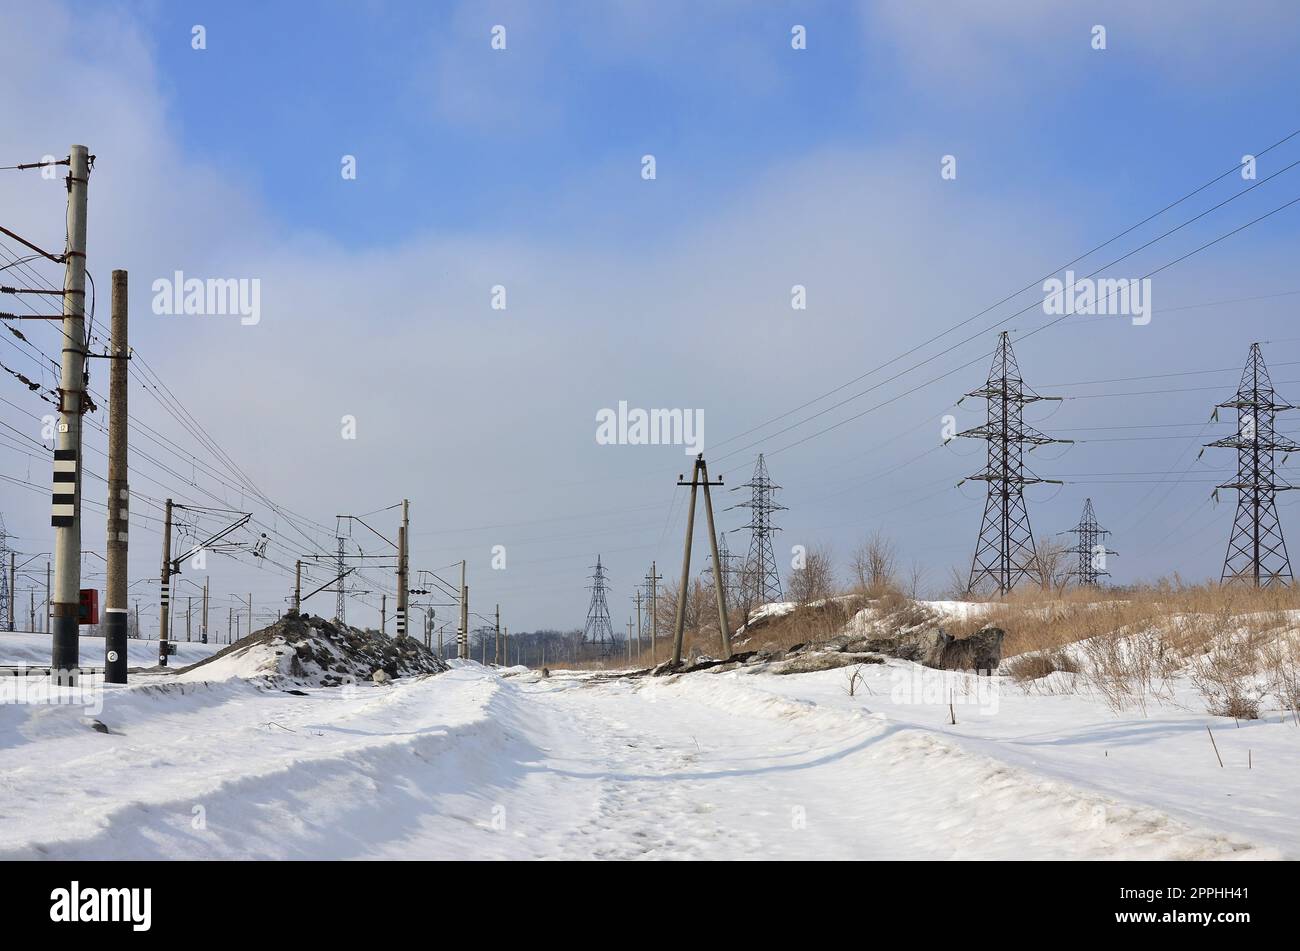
686,566
719,585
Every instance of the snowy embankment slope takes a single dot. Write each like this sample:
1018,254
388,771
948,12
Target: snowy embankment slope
469,764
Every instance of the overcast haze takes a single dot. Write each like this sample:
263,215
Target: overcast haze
774,167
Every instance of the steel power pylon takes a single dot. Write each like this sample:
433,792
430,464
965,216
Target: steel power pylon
1256,550
761,576
341,597
1090,547
599,630
6,596
1005,554
730,573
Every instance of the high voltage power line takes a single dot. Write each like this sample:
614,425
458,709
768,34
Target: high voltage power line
312,532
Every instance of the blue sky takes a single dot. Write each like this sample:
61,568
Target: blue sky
774,167
716,93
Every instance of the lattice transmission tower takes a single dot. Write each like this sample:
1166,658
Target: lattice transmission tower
341,596
1090,547
761,578
1256,549
1005,555
731,571
599,631
6,596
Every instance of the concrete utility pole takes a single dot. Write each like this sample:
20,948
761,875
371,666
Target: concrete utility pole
119,493
230,626
462,648
164,604
205,610
403,581
65,658
297,586
189,613
496,650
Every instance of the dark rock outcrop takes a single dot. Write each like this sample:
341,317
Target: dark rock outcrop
934,647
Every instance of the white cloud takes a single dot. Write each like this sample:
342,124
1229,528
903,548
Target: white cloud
1017,47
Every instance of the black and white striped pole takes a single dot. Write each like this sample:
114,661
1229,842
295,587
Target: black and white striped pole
65,657
403,581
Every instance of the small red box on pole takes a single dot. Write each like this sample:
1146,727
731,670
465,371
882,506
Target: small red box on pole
88,606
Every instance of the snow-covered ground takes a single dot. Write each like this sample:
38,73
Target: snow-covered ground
33,650
471,764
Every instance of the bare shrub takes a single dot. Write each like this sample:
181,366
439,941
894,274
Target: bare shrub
875,565
1053,564
1229,675
853,680
915,580
1041,664
1282,660
814,581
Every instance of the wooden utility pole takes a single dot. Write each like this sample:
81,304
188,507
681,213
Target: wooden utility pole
700,477
496,650
230,626
189,613
205,609
65,657
638,622
719,588
164,603
383,613
119,492
654,578
297,586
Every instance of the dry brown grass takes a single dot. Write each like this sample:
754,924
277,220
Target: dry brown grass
1132,642
1035,621
811,624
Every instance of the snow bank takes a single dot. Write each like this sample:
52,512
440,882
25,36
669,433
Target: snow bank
34,651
